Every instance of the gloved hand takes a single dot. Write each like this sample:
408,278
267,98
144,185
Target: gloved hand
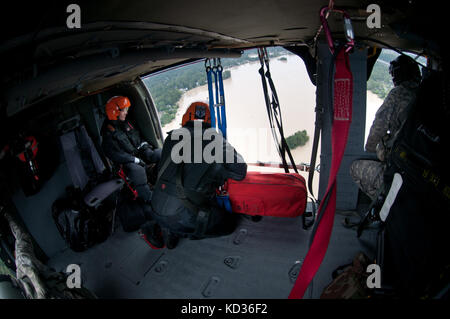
381,151
152,156
138,161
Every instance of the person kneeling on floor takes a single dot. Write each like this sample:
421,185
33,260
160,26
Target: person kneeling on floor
183,202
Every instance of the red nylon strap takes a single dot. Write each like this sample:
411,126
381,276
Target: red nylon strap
343,96
122,175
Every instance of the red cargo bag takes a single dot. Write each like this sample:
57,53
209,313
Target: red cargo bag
268,194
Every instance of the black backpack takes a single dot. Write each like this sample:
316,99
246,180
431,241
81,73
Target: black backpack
81,226
414,249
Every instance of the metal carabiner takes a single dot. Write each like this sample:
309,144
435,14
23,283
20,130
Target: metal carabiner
219,65
207,67
326,29
349,35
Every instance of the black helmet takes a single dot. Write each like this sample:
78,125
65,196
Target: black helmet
404,68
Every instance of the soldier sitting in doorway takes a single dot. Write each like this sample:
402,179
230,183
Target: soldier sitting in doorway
368,174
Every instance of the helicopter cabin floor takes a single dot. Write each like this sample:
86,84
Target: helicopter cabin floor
260,260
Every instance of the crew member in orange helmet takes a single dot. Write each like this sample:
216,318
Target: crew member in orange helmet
183,202
123,144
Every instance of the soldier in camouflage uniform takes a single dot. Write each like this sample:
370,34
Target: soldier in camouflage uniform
368,174
33,279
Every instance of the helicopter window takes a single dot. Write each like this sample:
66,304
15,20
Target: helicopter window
248,128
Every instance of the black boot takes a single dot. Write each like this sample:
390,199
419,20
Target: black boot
152,234
170,238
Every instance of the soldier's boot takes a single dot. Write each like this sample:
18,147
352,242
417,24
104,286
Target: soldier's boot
170,239
152,234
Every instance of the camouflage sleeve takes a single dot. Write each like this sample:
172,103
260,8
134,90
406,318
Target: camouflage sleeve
35,279
28,266
380,124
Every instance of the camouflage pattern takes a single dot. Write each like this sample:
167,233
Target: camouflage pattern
351,283
36,280
368,175
391,115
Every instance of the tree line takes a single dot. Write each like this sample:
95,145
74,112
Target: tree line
380,81
167,87
299,138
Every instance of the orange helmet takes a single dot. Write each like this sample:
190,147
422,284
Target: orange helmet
115,105
197,111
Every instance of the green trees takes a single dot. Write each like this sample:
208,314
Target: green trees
380,81
298,139
166,88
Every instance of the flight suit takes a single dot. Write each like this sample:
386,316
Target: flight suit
123,144
200,181
368,174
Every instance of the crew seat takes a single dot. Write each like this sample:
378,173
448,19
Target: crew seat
86,168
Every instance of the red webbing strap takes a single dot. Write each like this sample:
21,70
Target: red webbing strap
343,95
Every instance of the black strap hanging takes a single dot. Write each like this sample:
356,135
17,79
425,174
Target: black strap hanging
274,111
315,146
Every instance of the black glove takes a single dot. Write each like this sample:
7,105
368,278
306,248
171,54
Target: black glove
138,161
152,156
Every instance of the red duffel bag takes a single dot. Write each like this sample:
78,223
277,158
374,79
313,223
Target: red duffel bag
268,194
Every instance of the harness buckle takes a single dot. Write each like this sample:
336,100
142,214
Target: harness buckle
208,65
348,28
349,35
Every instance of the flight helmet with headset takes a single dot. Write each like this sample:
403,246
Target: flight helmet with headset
404,68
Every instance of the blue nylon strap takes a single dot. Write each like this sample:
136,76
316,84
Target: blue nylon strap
222,104
216,101
211,97
224,202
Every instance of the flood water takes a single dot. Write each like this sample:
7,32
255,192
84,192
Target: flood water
247,120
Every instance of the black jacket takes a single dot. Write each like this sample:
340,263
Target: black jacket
200,181
122,142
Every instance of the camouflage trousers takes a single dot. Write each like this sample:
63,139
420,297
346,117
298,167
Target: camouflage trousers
368,175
